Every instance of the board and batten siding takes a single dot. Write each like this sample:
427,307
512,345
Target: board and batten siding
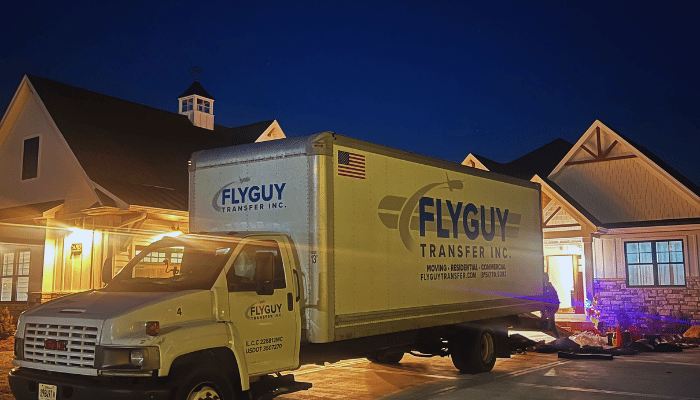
625,190
609,251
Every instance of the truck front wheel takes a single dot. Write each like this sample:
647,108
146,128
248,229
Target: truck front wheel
205,385
473,351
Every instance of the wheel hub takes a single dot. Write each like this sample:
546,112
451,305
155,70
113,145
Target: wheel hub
205,391
487,348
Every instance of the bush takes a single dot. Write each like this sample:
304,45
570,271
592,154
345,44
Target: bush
7,328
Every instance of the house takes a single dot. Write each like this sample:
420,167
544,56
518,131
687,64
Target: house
620,227
86,177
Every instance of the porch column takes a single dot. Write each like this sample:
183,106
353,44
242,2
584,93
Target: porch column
588,267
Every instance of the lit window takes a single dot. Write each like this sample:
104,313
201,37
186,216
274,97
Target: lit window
655,263
23,263
8,264
176,257
6,289
22,288
155,257
30,158
15,276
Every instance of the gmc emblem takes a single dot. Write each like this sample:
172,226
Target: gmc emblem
51,344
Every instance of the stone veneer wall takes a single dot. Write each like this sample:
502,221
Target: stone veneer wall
661,303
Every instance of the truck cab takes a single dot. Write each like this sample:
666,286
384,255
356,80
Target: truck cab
188,317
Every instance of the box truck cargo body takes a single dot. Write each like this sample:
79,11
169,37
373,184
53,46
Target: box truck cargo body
387,240
315,248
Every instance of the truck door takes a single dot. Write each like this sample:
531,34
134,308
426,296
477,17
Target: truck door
264,304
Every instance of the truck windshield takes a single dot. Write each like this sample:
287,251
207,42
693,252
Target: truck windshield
173,264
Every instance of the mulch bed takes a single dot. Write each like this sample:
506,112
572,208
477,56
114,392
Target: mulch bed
7,344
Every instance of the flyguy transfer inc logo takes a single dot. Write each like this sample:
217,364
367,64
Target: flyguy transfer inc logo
260,310
241,196
456,224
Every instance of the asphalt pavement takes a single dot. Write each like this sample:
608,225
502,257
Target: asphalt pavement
523,376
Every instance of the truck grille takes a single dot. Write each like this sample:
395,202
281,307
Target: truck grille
80,342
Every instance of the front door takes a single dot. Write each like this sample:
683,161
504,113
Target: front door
561,274
263,303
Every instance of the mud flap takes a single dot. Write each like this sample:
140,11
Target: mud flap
502,343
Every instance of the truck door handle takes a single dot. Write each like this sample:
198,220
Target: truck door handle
290,301
296,274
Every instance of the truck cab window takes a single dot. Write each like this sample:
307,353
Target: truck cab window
173,265
242,276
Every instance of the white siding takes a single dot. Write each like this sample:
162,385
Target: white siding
59,176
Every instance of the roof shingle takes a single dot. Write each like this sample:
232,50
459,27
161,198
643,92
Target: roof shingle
123,144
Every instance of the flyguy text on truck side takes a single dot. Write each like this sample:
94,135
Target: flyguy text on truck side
317,248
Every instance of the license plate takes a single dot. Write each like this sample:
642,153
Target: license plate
47,392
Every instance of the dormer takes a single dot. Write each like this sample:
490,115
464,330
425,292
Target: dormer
198,105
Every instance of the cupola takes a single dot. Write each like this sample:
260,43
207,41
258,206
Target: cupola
198,105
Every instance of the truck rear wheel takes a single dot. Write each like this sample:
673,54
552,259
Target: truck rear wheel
473,351
203,385
391,358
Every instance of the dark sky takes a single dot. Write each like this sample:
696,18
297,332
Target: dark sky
434,77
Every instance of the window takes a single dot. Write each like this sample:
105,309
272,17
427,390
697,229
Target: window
242,275
203,105
187,104
30,158
160,263
15,276
172,264
655,263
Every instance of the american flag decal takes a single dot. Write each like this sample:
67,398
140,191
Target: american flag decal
351,165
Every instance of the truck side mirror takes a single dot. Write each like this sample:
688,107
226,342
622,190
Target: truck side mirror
107,271
264,272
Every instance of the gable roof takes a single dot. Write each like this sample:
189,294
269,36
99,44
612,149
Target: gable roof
547,162
123,145
627,149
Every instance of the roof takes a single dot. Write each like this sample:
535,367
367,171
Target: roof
35,210
571,201
492,165
540,161
653,223
661,163
121,144
543,161
198,89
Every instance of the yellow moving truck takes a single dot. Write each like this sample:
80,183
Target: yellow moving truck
307,249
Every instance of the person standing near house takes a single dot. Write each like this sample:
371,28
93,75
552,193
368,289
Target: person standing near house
551,301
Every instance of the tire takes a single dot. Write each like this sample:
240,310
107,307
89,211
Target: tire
473,351
390,358
205,385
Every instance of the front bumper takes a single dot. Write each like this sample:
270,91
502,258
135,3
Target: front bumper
24,384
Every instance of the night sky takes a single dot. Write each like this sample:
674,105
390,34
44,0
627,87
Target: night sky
438,78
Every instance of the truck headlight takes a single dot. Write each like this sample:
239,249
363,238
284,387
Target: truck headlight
137,357
127,358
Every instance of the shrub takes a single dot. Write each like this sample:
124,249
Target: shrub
7,328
